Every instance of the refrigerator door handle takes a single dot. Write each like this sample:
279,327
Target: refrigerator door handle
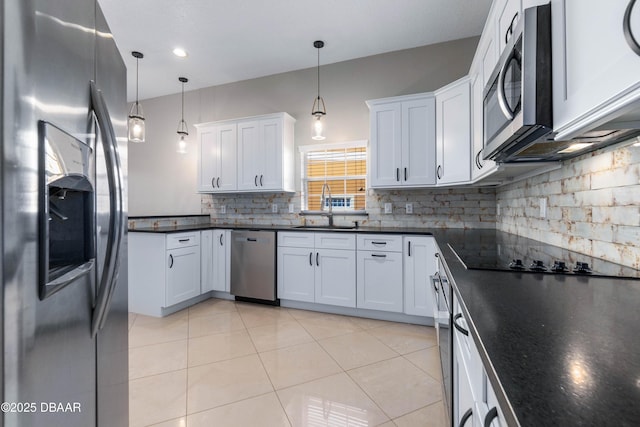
109,277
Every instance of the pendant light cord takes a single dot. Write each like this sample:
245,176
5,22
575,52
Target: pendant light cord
318,73
183,101
137,61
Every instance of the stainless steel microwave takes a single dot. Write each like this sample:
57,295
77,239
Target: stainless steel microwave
518,97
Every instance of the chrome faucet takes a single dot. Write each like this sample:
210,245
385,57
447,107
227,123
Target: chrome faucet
323,199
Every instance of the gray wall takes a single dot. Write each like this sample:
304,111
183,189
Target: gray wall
162,182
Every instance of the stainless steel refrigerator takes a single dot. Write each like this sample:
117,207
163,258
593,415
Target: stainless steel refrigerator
63,212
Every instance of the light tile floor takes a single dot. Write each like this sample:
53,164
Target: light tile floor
223,363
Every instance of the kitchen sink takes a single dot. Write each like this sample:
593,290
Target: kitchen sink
326,227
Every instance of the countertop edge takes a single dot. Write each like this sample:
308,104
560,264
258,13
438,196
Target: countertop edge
287,228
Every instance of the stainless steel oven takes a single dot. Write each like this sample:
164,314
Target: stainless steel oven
518,97
442,320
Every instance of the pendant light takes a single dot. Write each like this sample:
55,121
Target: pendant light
183,130
318,111
135,120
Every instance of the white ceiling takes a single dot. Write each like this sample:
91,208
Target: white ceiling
233,40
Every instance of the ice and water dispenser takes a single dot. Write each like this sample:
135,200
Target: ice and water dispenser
67,209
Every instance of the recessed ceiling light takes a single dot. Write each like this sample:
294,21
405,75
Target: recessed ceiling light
180,53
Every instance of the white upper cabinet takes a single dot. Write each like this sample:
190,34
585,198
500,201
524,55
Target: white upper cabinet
247,155
217,157
453,133
402,152
596,68
506,14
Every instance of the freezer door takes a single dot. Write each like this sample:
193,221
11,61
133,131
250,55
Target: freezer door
49,354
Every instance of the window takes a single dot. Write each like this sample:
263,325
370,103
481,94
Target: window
343,167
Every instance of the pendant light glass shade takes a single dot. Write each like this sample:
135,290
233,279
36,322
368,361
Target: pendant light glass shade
183,129
135,121
318,111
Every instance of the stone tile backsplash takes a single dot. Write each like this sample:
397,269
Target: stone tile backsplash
432,208
593,206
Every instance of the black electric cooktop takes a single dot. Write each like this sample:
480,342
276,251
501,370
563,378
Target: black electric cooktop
508,252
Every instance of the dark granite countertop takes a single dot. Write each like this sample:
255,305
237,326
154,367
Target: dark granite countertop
559,350
268,227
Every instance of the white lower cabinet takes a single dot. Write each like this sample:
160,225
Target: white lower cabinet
164,270
183,274
420,264
379,273
206,261
335,276
296,274
474,401
221,260
317,267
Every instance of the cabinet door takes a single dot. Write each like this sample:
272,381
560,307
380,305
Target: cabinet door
296,274
221,260
453,133
208,155
463,399
206,261
249,153
420,264
595,70
507,14
418,142
386,145
335,277
226,137
379,280
183,274
270,160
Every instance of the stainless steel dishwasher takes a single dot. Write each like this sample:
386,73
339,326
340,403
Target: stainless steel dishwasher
253,266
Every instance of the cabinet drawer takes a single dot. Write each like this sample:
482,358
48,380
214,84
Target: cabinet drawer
379,243
296,239
337,240
183,240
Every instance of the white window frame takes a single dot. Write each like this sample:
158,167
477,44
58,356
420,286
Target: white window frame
304,149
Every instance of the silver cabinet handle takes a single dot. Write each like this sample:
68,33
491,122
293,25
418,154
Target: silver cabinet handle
626,28
409,247
310,260
317,259
398,174
405,174
378,255
115,178
379,243
221,236
183,240
170,261
261,185
213,182
439,172
218,182
255,180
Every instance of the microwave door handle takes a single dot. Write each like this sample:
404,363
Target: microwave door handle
502,97
626,28
116,220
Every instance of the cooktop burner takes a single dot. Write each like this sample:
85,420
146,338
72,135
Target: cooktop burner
508,252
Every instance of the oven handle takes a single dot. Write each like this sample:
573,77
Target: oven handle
626,27
502,97
462,330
